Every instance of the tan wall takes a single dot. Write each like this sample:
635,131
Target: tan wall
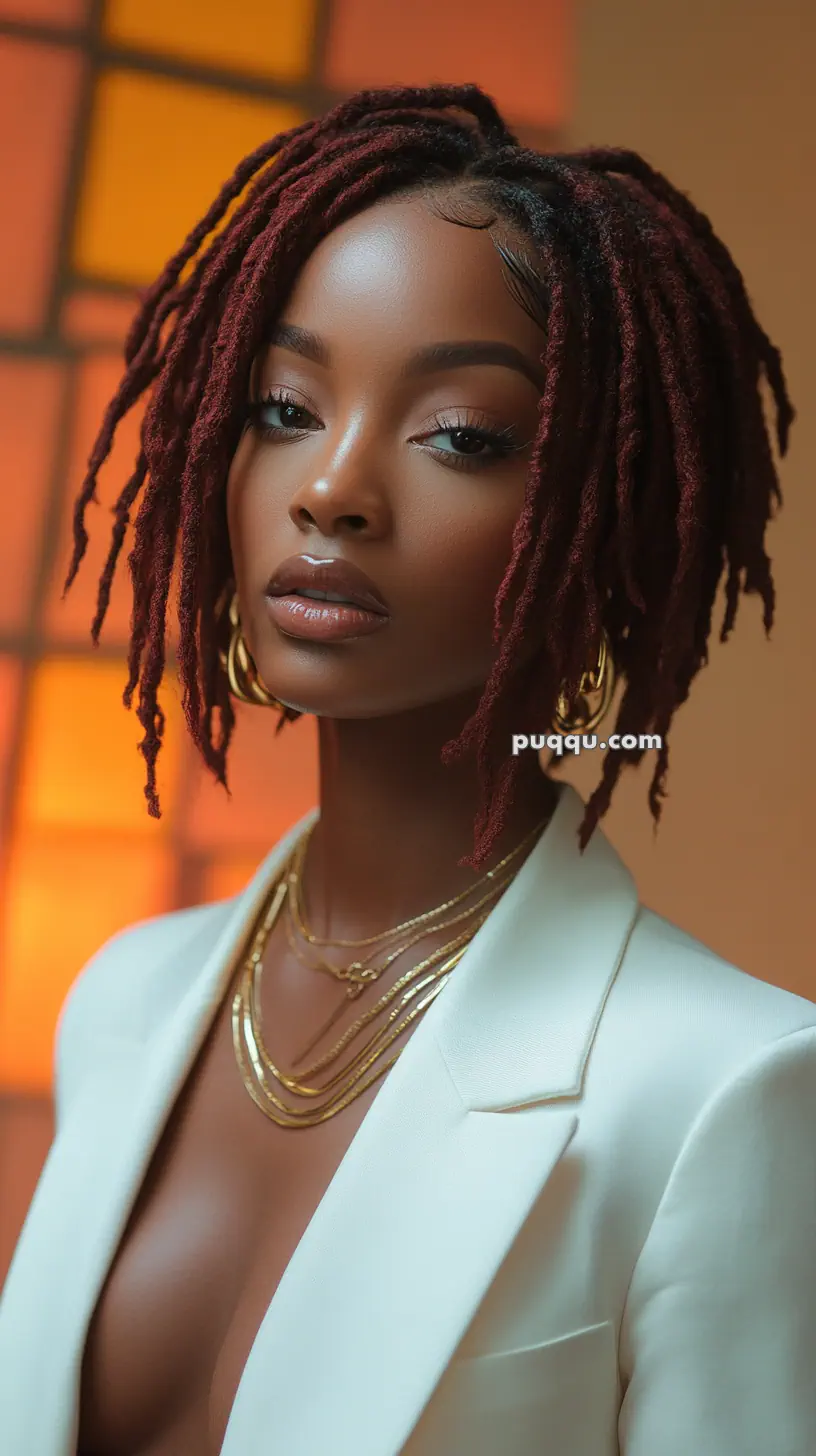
720,95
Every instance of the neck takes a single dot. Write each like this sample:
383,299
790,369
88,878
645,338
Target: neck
394,821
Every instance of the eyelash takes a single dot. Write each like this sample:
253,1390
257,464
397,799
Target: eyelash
504,440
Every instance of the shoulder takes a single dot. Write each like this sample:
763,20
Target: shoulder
722,1288
136,979
131,982
682,983
681,1024
118,976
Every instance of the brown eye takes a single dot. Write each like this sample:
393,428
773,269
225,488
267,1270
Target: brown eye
292,417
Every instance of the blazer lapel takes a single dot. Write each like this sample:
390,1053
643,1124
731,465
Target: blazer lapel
91,1179
454,1151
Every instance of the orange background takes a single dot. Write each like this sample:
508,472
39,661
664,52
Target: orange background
118,124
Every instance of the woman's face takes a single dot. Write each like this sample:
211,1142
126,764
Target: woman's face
410,468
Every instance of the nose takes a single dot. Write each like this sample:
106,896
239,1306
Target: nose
345,495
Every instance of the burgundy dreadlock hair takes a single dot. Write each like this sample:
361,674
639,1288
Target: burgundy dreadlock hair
652,469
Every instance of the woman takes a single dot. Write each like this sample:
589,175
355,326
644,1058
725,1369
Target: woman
442,433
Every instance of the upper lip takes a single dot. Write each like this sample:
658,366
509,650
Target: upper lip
339,577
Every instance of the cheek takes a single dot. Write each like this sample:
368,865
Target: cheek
443,645
458,569
253,514
236,504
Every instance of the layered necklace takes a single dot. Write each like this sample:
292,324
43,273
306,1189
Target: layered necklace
268,1085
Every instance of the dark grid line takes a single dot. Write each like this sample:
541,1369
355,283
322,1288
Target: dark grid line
309,92
11,1101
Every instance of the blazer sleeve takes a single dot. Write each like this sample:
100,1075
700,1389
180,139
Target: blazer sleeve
718,1339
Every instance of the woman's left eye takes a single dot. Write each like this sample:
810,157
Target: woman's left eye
468,442
471,444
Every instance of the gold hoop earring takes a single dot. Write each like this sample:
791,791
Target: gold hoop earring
244,678
579,717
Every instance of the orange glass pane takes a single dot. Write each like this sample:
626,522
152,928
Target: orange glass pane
70,620
31,396
159,153
10,675
26,1131
262,37
224,878
273,781
91,317
519,52
80,763
39,90
48,12
68,891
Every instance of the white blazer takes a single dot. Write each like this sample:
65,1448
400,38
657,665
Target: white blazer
579,1218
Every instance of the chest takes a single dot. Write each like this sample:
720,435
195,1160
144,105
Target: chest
227,1198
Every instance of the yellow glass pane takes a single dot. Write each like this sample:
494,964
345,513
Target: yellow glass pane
262,37
68,891
159,153
81,765
273,782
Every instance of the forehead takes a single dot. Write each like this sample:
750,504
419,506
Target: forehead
399,270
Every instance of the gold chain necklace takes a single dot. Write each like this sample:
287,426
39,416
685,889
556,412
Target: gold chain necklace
299,916
252,1055
357,977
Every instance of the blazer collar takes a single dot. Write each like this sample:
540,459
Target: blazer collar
517,1026
393,1265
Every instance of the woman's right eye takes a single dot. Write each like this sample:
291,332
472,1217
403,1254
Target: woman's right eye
292,417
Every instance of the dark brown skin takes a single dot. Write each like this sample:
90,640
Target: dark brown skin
366,476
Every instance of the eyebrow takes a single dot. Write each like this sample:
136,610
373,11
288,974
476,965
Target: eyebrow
429,360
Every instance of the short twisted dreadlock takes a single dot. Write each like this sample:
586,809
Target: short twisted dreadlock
651,473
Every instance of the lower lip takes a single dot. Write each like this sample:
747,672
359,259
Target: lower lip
322,621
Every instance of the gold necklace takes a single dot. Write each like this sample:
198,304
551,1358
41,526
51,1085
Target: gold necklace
358,977
255,1062
252,1055
299,916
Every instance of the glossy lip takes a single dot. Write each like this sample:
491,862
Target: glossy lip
323,621
326,575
